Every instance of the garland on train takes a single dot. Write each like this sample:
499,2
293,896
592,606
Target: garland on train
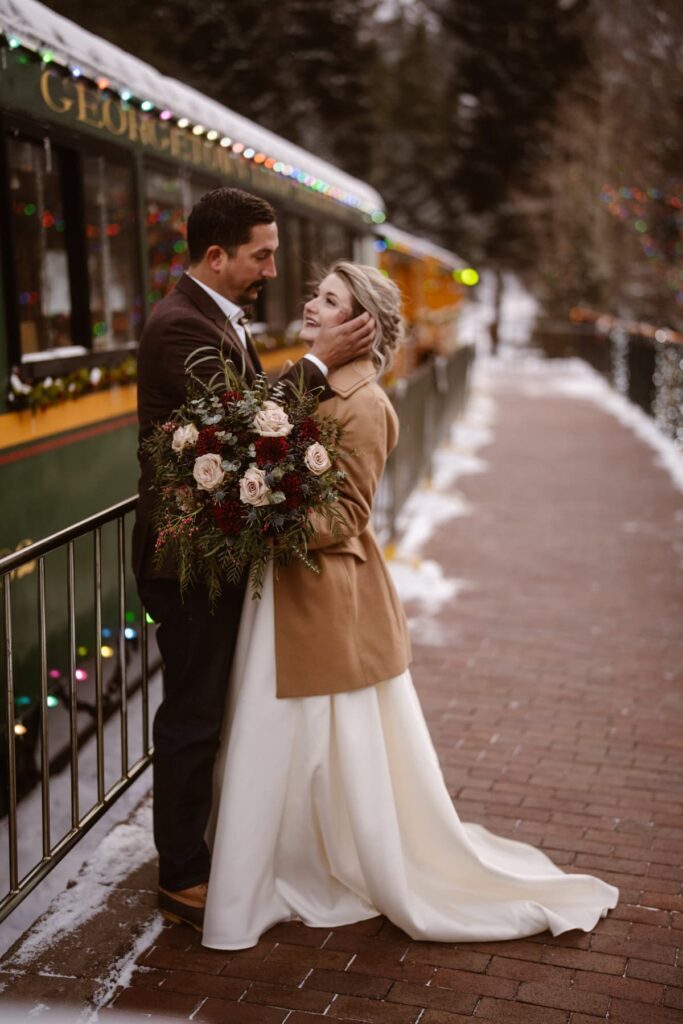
48,392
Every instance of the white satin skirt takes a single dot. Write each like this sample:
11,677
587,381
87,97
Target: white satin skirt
333,809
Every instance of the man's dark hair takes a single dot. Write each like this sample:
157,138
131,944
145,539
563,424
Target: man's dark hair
225,217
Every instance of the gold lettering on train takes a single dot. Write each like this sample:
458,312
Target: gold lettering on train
114,117
181,147
89,109
133,124
75,99
61,104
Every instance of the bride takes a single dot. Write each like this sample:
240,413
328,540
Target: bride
329,802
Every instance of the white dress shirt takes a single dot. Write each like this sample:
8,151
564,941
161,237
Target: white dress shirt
235,313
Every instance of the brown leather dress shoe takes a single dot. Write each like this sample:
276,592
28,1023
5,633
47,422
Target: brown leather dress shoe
185,906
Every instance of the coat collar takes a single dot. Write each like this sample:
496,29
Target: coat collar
203,301
344,380
206,305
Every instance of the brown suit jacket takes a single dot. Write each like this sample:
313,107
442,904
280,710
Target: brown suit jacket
182,322
345,628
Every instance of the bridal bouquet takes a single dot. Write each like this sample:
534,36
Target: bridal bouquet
238,470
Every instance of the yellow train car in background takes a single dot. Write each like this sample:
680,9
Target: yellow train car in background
434,283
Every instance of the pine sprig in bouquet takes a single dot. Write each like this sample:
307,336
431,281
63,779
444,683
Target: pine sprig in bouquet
238,470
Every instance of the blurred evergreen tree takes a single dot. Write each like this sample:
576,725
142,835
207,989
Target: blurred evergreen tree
488,125
508,64
303,68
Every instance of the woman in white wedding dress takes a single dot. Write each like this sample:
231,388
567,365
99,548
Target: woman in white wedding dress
330,806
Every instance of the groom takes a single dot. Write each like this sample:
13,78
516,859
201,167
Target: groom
232,239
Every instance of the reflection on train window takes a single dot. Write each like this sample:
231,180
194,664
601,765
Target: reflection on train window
40,247
168,201
115,302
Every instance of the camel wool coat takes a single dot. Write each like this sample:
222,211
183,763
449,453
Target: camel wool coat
345,628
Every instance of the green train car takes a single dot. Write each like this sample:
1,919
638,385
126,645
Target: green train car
101,159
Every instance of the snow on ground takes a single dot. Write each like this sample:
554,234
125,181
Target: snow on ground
573,378
421,583
121,852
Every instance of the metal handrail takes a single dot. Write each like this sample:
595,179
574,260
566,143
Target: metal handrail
52,853
8,563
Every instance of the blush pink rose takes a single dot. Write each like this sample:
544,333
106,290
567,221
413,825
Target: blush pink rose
317,459
208,472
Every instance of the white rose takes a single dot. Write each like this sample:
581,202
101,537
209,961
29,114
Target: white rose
95,376
272,421
253,487
317,459
184,437
208,472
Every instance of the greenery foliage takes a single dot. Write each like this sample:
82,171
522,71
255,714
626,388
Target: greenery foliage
51,391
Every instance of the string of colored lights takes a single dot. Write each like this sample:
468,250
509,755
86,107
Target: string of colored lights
24,702
24,53
605,322
639,206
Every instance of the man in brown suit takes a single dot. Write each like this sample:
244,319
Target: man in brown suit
232,239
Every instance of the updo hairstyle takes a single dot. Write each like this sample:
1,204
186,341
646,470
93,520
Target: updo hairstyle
377,295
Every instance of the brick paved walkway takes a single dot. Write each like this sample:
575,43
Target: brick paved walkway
553,694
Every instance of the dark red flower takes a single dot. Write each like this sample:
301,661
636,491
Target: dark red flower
230,396
208,443
290,485
270,449
309,430
229,516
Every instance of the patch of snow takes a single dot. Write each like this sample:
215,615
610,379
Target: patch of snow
121,972
126,848
425,510
574,378
423,581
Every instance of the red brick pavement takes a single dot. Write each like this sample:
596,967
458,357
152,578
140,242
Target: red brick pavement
553,696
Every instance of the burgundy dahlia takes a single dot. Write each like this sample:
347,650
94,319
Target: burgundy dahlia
309,430
229,517
208,443
270,449
290,485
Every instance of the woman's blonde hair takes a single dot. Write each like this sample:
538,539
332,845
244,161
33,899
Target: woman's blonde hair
377,295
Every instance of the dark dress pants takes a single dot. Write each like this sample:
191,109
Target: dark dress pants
197,647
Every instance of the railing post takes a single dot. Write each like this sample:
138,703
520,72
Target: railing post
11,742
44,732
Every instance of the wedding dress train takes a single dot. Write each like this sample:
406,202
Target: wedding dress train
333,809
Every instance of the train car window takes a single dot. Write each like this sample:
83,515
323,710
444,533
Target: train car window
111,240
337,243
40,247
292,260
168,198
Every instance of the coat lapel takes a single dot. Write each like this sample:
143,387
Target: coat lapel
246,360
344,380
